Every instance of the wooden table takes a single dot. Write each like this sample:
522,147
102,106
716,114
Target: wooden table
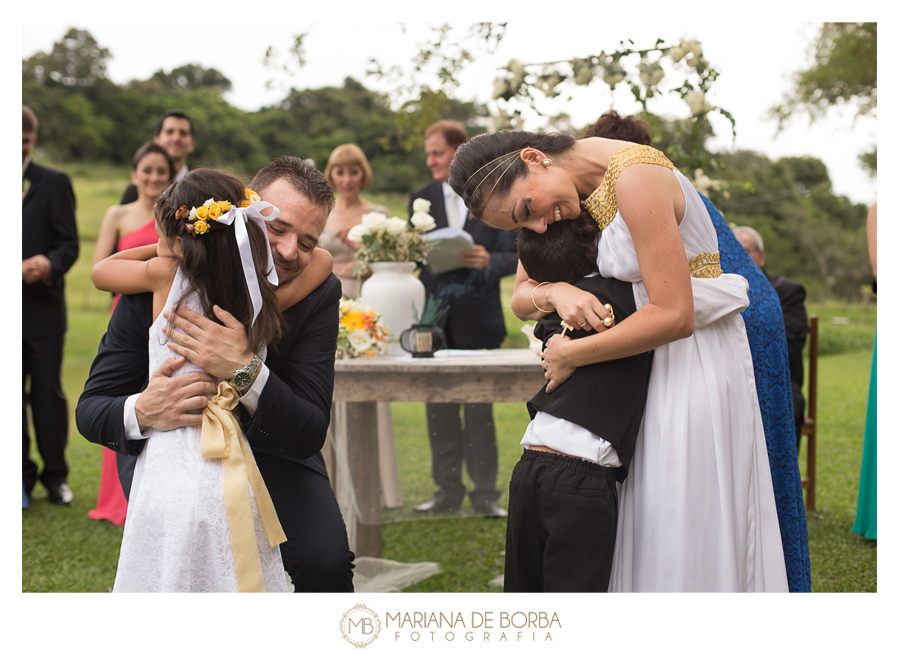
465,376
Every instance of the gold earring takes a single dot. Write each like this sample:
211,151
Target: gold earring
546,162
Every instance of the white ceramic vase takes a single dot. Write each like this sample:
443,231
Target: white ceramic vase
392,290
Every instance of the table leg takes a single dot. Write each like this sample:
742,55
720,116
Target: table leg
362,454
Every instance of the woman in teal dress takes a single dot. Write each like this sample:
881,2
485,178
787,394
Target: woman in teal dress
867,504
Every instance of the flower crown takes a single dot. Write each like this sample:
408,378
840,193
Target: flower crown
211,210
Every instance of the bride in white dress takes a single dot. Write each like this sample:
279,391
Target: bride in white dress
697,511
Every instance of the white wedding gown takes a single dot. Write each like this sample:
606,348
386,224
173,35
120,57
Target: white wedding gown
697,510
176,536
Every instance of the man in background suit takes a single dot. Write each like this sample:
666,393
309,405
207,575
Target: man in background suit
474,321
49,248
286,409
793,305
175,133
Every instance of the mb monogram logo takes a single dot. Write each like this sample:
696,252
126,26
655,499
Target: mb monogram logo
360,626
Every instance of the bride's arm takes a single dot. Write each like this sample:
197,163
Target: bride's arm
646,196
573,304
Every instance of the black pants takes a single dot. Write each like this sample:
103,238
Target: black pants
453,443
316,553
561,529
42,364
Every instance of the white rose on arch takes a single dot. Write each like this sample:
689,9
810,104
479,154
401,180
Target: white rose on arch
421,205
696,101
395,226
374,221
422,221
357,233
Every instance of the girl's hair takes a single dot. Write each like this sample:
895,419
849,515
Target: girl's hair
487,165
146,149
349,155
211,262
566,252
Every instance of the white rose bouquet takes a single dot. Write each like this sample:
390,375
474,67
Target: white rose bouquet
360,332
392,239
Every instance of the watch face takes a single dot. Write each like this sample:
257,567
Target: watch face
242,380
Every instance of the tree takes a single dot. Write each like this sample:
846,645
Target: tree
843,73
75,61
810,233
649,73
428,92
191,77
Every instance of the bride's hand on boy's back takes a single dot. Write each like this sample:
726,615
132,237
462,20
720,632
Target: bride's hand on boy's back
557,367
219,350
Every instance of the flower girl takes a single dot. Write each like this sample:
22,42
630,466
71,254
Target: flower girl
199,517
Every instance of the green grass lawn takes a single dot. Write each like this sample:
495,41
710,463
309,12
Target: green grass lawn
64,551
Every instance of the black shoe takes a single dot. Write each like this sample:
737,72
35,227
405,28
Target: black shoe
438,503
490,509
60,494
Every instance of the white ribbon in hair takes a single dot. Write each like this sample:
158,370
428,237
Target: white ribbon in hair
253,212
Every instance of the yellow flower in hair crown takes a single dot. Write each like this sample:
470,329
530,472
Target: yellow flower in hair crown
250,197
211,210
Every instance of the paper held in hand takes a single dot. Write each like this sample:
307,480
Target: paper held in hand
448,242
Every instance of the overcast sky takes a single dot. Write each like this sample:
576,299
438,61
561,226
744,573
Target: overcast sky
755,65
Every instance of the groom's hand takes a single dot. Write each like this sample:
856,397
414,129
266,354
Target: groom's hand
219,350
167,401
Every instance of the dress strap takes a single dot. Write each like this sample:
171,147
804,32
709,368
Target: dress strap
602,201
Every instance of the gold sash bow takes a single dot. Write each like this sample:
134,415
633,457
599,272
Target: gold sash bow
221,438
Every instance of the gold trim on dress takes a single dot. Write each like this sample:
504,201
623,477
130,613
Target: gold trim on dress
705,266
602,201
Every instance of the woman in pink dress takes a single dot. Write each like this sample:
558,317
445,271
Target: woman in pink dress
125,227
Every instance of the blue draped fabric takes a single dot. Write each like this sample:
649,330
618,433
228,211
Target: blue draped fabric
768,346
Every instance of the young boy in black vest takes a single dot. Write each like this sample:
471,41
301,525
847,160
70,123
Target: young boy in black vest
563,503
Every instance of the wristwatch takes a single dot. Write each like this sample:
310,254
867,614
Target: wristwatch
242,378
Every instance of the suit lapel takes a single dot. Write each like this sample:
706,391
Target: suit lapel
28,181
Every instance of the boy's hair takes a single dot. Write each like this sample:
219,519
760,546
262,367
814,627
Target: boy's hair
566,252
211,262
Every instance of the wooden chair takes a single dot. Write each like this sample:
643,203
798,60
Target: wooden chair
809,426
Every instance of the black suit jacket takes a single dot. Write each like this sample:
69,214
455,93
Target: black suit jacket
605,398
475,319
294,407
793,305
48,227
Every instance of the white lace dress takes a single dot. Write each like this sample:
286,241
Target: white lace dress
697,511
176,535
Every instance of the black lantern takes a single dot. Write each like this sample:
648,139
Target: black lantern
423,340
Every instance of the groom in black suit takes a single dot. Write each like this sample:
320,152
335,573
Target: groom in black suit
284,411
474,321
49,248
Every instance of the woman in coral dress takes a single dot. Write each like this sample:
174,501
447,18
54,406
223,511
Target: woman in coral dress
125,227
